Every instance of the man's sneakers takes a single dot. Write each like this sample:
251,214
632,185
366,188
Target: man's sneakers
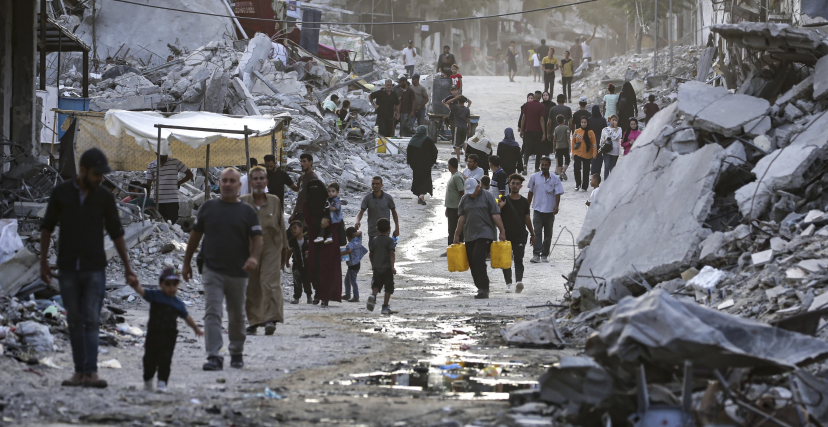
372,301
94,381
270,328
508,288
162,386
295,301
482,295
535,259
354,299
75,381
236,361
214,363
386,309
328,241
519,287
149,386
544,260
563,176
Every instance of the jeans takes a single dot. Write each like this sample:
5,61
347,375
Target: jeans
581,177
301,280
418,117
158,354
549,84
596,164
83,293
405,124
409,69
609,164
452,225
351,281
566,85
518,249
476,252
169,211
217,287
542,223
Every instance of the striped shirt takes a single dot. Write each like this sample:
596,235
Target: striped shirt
168,184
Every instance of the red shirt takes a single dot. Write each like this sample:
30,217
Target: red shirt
534,111
457,80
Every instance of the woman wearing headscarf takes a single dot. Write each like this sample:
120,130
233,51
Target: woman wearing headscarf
421,156
630,135
509,152
627,106
611,135
547,104
584,146
597,123
324,260
480,145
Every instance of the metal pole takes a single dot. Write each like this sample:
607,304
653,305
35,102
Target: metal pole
157,165
655,40
330,31
670,34
85,79
43,44
207,183
372,20
247,153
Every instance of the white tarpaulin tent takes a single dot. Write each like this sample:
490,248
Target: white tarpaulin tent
141,126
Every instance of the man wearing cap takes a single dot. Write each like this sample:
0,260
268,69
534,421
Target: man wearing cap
418,112
407,101
231,250
84,209
479,214
387,105
409,53
582,113
168,184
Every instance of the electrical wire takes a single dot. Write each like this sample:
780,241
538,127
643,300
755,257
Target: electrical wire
470,18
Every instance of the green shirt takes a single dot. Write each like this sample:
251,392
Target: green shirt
562,136
455,190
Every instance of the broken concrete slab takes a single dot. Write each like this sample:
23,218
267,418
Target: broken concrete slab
684,141
714,109
135,102
778,244
133,234
257,51
785,169
537,332
821,79
668,195
813,265
18,271
762,258
760,126
791,112
801,90
784,42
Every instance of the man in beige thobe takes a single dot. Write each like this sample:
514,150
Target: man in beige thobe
264,305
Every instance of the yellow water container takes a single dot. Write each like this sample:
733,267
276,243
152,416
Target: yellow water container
380,145
457,259
501,254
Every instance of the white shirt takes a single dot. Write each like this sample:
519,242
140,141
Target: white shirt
476,173
278,51
544,190
408,53
536,58
592,195
615,136
587,50
243,190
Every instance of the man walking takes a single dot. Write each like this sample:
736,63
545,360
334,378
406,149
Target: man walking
387,105
409,53
511,60
445,61
549,64
244,188
379,204
479,215
545,191
472,170
407,100
277,179
418,111
168,185
514,211
454,191
83,209
499,177
231,250
308,175
532,130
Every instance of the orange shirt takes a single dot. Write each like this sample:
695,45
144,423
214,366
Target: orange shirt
581,151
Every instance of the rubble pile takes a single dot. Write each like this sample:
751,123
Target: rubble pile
707,247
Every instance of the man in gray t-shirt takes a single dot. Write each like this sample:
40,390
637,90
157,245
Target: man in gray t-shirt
479,215
231,249
379,204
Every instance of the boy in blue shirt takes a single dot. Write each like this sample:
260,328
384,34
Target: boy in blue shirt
354,251
162,329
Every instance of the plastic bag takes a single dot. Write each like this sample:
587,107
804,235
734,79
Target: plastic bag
501,254
10,241
457,259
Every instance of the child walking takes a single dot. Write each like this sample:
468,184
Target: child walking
298,249
382,256
595,182
162,328
354,251
561,136
333,212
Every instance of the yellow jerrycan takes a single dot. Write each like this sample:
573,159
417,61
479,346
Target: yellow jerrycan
457,259
501,254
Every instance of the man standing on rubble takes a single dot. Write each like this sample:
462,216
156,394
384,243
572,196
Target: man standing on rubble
418,112
84,209
231,250
308,175
387,105
168,184
277,179
409,53
545,191
406,107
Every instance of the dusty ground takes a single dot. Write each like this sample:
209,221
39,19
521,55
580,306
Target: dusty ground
318,360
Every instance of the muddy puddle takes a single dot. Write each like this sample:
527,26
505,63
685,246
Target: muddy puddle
456,366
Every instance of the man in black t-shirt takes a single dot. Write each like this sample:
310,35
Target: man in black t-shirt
514,210
445,61
231,249
277,179
387,105
581,113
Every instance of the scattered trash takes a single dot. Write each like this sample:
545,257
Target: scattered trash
36,336
111,363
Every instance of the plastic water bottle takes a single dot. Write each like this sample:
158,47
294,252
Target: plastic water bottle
396,239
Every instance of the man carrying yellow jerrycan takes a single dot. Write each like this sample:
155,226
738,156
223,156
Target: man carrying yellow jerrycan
479,214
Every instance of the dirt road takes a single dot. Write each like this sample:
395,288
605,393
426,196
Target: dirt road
343,365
